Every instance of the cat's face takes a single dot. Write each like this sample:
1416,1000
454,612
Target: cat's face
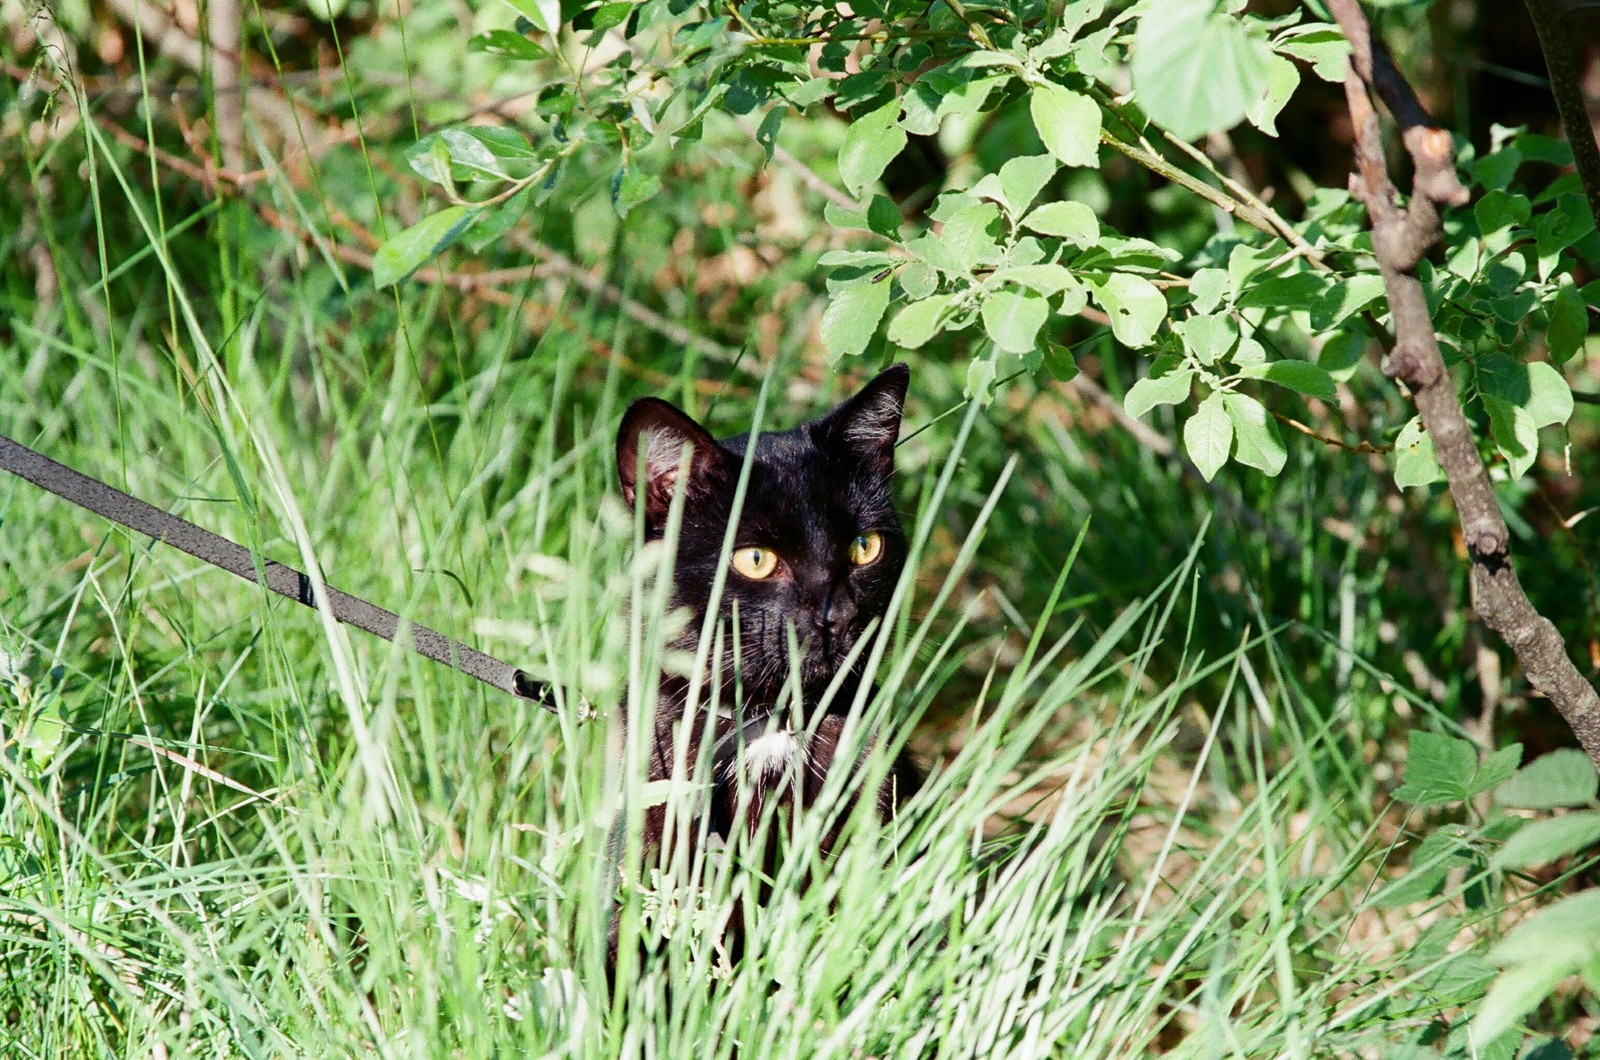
818,548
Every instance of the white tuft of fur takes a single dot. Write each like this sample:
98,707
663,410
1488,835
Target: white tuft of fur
874,424
771,757
663,455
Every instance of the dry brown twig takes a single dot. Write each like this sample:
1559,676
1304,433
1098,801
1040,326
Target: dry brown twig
1401,235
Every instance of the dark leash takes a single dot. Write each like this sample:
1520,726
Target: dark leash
147,519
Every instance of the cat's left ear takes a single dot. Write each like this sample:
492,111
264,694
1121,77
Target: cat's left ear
868,424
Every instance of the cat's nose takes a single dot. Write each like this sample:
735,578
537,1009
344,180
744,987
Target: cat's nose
836,616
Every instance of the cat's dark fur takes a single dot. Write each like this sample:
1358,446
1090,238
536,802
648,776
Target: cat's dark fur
812,491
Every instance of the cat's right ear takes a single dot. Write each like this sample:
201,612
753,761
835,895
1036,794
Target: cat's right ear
660,432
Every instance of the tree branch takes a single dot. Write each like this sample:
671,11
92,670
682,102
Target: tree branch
1400,236
1556,44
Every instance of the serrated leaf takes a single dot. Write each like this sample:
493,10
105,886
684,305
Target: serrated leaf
1196,70
1301,376
1136,307
1438,770
1013,319
918,322
1151,391
1255,436
870,144
1067,122
1022,178
1283,77
1072,221
1208,436
1542,842
852,317
403,254
1414,461
1569,322
1563,777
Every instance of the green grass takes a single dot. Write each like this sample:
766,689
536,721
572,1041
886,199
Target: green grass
1160,735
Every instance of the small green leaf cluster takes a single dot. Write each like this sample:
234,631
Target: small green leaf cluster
1560,940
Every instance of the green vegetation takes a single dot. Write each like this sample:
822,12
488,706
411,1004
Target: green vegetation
1220,763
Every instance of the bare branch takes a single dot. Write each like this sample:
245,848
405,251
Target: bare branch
1556,43
1400,236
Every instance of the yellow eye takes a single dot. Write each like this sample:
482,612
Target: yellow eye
755,563
866,548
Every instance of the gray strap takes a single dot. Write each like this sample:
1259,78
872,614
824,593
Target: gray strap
151,521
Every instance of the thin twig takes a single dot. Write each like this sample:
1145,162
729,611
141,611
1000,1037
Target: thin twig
1556,43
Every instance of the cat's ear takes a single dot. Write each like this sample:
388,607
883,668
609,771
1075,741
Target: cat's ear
661,431
868,424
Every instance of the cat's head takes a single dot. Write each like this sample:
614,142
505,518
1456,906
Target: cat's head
819,546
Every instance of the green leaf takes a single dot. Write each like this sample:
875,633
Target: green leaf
1414,461
1256,440
852,317
402,255
1013,319
1497,768
1516,993
609,15
1151,391
918,280
1563,777
632,186
1208,336
1208,436
918,322
1136,307
1196,70
1072,221
980,380
1549,397
1208,287
1022,178
1542,842
1569,322
545,14
1059,363
871,142
1514,434
1544,949
972,237
1283,77
1301,376
1324,47
1068,122
1046,279
1439,769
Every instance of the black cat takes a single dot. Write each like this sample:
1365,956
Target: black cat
817,555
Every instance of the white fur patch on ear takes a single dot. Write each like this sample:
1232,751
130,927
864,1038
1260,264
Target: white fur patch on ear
663,456
874,423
